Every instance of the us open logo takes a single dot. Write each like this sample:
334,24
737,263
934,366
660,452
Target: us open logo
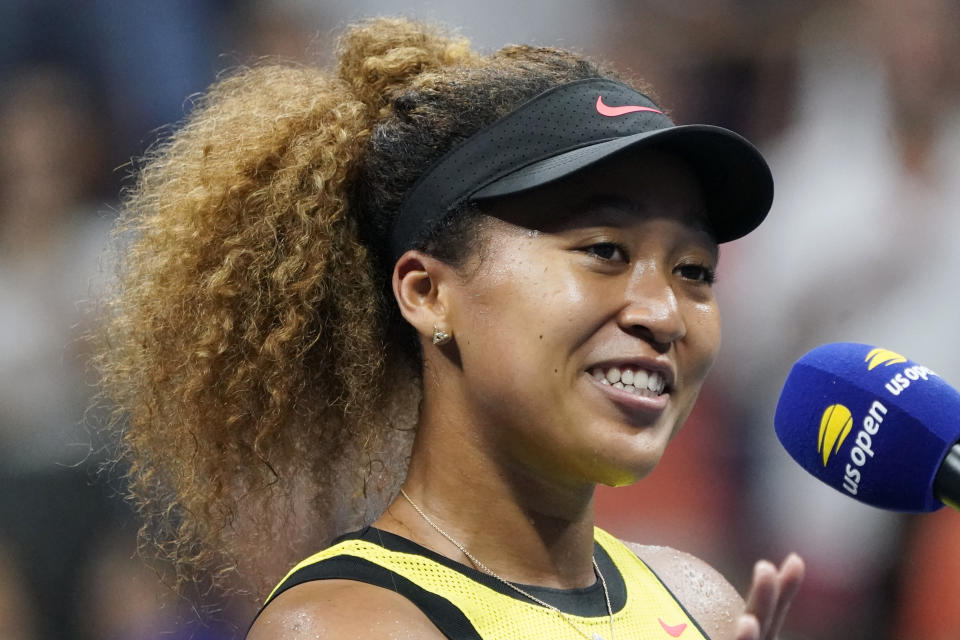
835,426
900,381
836,423
884,357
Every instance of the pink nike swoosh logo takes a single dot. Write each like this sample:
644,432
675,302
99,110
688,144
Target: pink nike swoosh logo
673,630
612,112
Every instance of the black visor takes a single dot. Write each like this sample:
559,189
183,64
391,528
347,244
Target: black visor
575,126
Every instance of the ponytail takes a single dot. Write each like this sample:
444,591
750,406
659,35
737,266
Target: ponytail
242,343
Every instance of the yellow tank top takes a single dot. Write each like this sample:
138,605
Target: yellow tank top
466,604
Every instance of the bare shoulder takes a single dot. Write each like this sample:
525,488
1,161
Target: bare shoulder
702,590
342,609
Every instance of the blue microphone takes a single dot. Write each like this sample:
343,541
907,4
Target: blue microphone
873,425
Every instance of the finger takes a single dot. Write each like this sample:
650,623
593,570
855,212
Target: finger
790,577
748,628
762,599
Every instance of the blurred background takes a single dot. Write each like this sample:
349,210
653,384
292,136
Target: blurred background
856,104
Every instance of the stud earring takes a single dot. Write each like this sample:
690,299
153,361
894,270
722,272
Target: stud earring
441,337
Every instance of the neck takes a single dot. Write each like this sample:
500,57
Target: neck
522,527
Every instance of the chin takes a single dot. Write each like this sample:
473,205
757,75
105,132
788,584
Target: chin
618,455
624,473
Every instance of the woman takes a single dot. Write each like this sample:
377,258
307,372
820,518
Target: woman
522,237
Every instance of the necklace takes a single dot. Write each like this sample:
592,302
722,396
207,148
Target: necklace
482,567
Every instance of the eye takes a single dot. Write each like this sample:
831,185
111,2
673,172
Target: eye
697,273
608,251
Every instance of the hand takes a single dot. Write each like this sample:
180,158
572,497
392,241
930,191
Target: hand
770,596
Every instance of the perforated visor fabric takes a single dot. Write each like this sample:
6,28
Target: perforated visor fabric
468,605
570,128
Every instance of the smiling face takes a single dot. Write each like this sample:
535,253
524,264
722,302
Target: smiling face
586,323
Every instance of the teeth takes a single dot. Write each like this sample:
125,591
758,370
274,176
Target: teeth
638,381
654,382
600,376
661,383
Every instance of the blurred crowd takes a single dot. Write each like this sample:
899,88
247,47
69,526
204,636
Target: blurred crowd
856,104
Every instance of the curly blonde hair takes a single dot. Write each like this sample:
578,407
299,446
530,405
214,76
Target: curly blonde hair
264,385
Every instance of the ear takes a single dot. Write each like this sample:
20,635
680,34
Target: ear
421,285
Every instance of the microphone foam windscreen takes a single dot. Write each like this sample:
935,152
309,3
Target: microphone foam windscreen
870,423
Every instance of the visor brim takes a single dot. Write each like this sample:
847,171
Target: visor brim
736,181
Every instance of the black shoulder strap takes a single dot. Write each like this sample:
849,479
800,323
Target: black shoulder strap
441,612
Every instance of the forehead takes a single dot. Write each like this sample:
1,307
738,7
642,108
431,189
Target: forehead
644,184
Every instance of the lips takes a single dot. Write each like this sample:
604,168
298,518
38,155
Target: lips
636,384
632,402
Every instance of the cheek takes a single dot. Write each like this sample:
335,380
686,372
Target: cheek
525,323
703,337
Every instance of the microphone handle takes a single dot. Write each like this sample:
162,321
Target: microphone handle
946,486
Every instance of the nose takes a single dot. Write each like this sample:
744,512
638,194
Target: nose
651,311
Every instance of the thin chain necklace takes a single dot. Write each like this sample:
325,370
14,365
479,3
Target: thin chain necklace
482,567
